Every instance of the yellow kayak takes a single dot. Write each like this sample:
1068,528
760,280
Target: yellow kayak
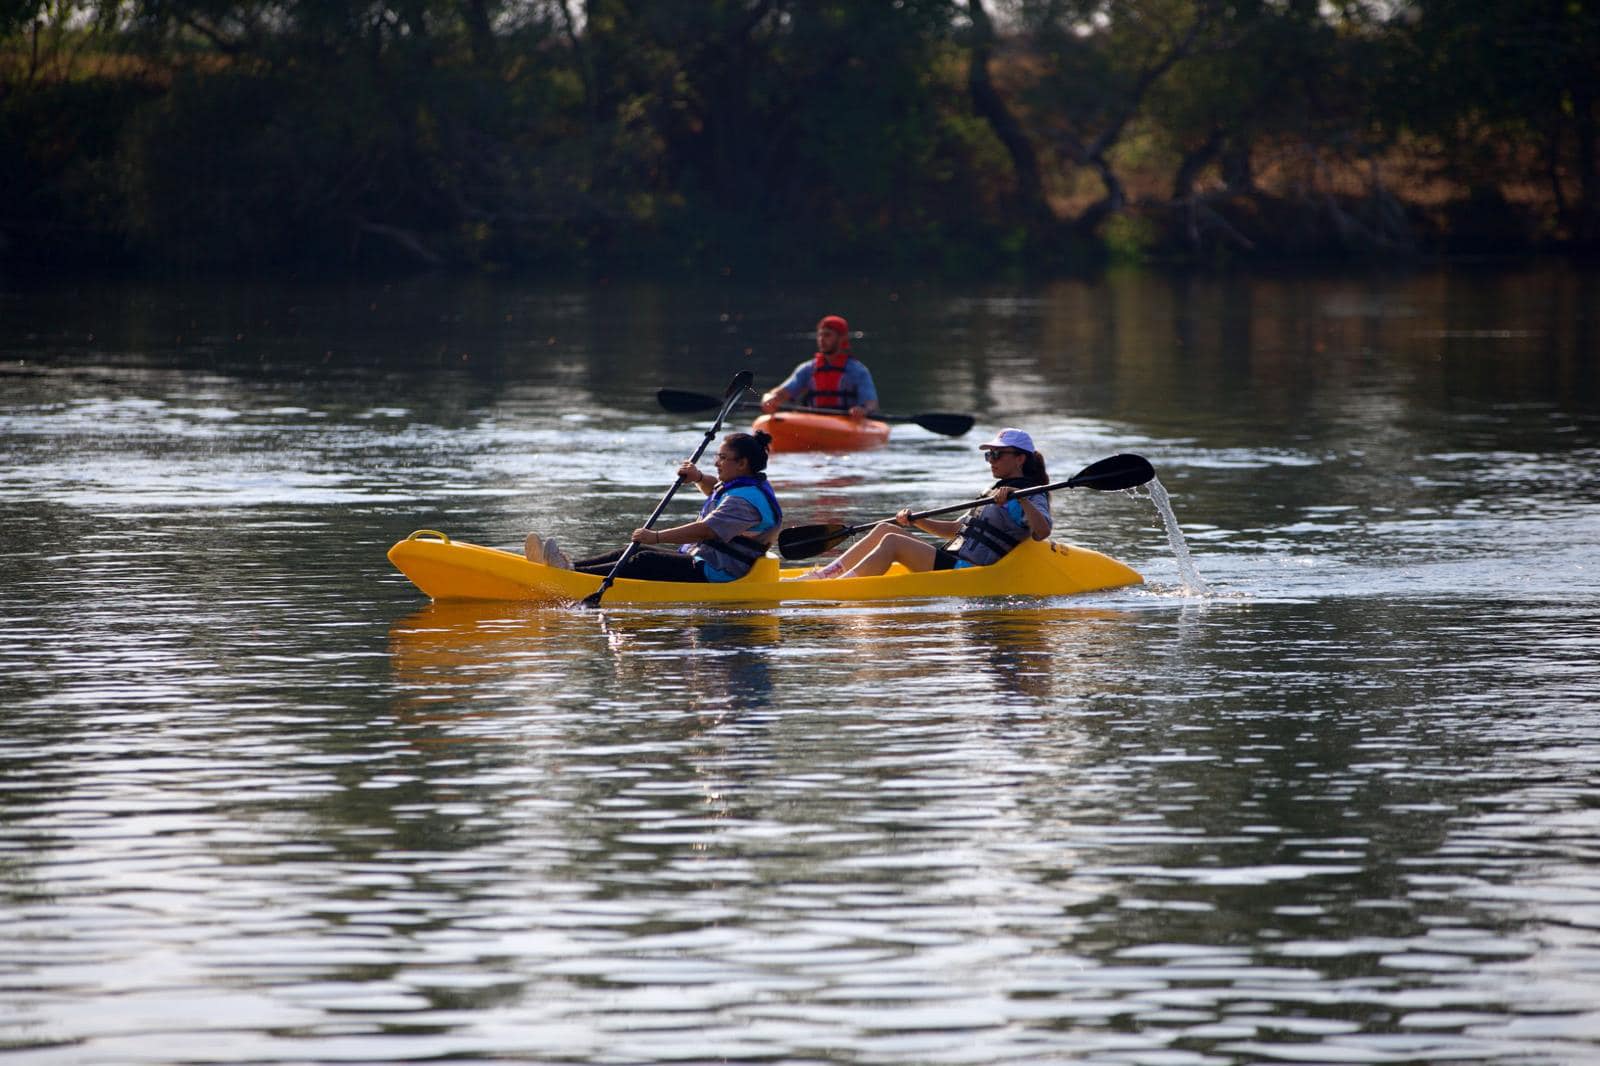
446,569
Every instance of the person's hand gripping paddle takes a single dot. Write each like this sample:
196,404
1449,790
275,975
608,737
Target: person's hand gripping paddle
730,399
1117,472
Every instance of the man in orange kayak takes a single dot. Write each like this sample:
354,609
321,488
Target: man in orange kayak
833,378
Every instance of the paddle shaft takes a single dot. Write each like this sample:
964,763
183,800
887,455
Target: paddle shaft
841,412
1117,472
832,536
741,381
950,425
954,507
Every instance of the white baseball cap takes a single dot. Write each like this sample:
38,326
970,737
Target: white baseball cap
1011,438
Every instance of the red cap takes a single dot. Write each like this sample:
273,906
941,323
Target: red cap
835,323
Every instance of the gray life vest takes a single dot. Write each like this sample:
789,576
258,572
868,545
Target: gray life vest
989,531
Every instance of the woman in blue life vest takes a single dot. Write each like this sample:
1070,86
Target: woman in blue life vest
832,378
982,536
737,524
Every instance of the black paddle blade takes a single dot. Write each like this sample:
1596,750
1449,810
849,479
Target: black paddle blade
950,425
802,542
740,382
1118,472
681,402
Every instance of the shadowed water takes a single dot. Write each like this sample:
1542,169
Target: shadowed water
1329,796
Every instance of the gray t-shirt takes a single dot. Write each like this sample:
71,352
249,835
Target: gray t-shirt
727,520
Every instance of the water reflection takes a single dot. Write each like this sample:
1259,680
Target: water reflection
1001,651
260,805
717,658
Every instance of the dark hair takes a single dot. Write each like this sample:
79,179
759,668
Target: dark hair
1033,471
751,447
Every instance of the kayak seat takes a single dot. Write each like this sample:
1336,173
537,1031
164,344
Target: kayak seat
764,569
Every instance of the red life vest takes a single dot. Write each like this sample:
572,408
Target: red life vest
827,380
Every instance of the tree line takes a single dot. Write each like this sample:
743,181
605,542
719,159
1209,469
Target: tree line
945,136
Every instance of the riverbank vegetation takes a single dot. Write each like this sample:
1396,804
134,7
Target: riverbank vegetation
944,136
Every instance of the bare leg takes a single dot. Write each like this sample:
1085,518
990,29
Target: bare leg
855,553
863,547
893,547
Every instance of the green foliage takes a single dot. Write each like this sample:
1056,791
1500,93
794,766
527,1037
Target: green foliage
62,205
1490,78
816,136
1129,239
16,15
198,176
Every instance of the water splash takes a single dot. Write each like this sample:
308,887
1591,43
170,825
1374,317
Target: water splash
1193,583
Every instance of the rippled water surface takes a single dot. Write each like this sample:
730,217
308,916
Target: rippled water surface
260,802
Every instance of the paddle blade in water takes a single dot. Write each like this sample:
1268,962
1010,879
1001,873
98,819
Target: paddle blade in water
1118,472
802,542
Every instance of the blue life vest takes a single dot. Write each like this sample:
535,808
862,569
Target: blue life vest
727,560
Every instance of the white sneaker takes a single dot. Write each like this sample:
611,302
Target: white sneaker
533,548
554,556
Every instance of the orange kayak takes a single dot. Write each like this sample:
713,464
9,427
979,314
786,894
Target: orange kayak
803,431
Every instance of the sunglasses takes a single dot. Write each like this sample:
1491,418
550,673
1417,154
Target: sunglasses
991,454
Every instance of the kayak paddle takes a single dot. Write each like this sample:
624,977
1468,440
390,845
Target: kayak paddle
1117,472
730,400
949,425
681,402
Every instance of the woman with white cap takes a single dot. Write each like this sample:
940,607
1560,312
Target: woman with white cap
980,537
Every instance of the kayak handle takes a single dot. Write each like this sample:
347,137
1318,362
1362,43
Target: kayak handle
429,533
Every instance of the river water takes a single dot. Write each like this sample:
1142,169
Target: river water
260,802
